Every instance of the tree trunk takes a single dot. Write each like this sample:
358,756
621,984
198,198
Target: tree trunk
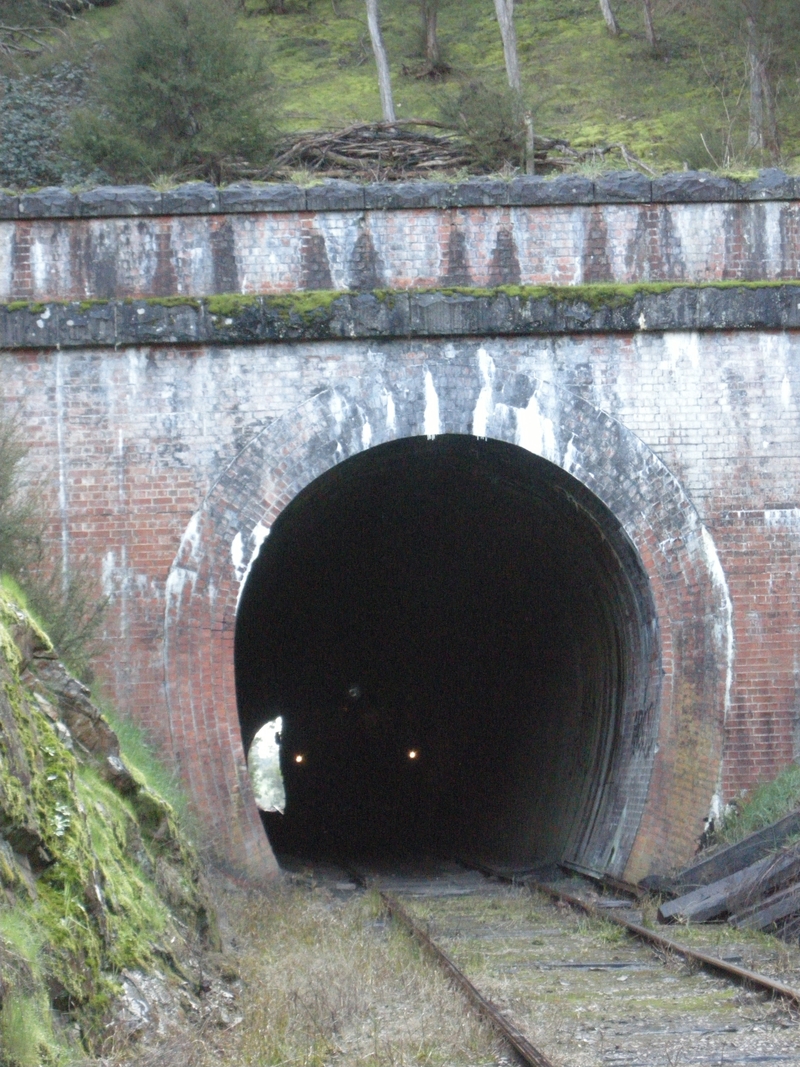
649,29
610,17
505,17
382,63
763,130
433,53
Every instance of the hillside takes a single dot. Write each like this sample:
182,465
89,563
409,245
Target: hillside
684,104
105,922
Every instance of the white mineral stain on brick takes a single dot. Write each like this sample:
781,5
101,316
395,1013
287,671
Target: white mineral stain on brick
391,414
340,231
431,423
571,459
772,239
366,433
237,556
786,392
782,518
484,404
107,574
723,623
535,432
6,269
679,345
241,571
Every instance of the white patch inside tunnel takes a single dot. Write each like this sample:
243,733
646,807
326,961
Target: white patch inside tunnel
264,766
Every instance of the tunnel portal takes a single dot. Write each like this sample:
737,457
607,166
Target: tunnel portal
454,632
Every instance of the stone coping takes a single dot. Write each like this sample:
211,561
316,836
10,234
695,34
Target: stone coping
200,198
329,316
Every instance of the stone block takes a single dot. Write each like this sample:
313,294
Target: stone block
335,196
9,206
694,186
119,200
772,184
82,324
532,190
480,192
245,197
396,195
623,186
194,198
146,323
50,203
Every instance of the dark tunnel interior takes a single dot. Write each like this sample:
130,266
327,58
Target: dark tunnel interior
442,626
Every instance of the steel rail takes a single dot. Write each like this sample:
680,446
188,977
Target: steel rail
742,974
528,1053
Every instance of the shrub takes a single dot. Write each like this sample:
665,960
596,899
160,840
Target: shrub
181,89
491,124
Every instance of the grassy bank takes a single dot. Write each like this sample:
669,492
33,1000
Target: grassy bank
678,105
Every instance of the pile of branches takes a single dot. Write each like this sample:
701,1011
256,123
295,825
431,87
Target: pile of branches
382,151
373,149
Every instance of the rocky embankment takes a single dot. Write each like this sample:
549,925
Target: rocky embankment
107,935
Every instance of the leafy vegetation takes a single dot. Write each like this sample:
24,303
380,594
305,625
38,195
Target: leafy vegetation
180,86
764,804
193,87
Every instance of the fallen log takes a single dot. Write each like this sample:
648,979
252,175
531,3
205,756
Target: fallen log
779,906
735,892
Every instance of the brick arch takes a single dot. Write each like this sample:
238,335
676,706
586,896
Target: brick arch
663,789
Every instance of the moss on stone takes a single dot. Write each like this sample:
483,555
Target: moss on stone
306,305
114,873
229,304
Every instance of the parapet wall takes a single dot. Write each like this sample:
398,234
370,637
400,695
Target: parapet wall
198,240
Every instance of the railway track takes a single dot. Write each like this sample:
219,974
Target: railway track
571,977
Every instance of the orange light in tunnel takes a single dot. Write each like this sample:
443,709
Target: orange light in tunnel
299,758
412,753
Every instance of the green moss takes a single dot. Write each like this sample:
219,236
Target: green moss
228,304
170,301
118,866
26,305
304,305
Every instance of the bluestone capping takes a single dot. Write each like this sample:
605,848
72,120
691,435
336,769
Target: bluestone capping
401,315
9,206
623,186
247,197
194,198
480,192
52,202
201,198
695,187
772,184
335,196
109,201
397,195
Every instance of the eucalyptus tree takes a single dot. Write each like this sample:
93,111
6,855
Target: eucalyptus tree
381,61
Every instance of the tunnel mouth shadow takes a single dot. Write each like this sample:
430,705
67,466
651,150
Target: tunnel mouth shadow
462,643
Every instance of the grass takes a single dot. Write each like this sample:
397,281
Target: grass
764,804
581,83
328,981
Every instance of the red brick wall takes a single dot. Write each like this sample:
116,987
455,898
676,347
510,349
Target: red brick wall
674,432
